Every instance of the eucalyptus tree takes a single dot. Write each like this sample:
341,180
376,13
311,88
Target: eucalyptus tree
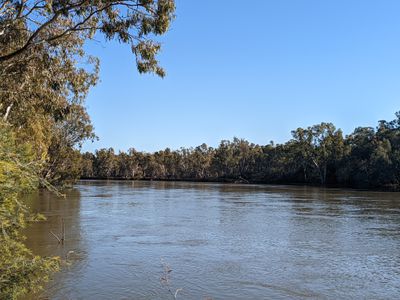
355,168
87,162
45,73
222,161
201,157
135,159
385,157
105,163
320,146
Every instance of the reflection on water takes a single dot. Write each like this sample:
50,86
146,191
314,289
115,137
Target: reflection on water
221,241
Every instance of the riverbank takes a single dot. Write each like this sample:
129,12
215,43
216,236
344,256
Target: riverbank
388,188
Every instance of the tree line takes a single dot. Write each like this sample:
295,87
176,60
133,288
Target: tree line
319,155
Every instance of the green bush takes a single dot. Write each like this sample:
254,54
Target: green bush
20,271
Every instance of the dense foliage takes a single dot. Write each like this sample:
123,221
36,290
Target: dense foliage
320,154
20,270
45,75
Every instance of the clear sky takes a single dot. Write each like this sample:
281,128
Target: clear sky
252,69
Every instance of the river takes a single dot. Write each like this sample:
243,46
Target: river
219,241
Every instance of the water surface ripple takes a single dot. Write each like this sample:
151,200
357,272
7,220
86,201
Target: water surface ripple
221,241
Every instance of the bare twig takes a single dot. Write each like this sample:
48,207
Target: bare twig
166,279
62,238
62,231
56,236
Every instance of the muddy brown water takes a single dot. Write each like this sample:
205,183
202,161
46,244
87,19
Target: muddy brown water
220,241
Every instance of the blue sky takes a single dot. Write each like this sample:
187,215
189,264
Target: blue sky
254,70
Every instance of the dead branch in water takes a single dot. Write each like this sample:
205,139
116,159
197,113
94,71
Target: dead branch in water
166,279
56,236
62,238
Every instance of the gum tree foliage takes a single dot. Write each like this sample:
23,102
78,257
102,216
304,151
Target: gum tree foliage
50,22
319,146
46,74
